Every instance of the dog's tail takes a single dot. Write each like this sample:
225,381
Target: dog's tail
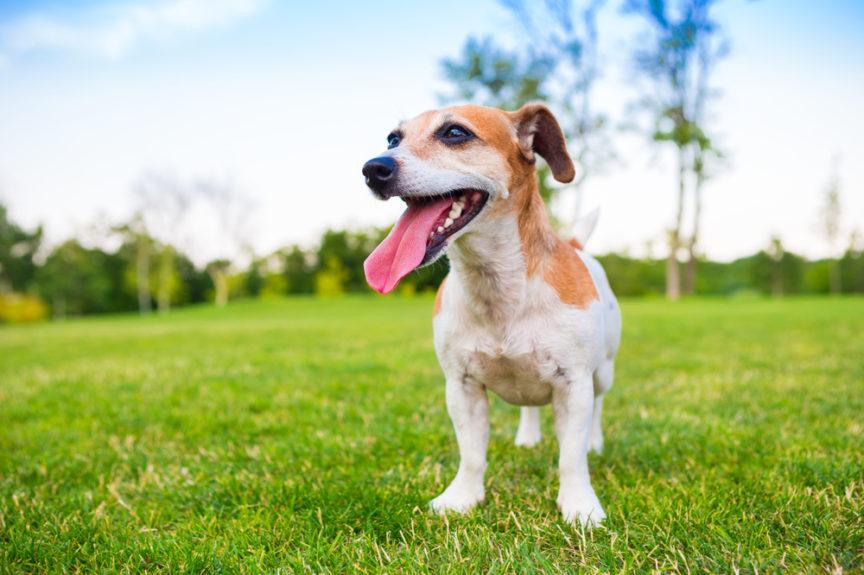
584,228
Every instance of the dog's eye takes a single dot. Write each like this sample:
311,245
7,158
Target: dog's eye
393,140
456,134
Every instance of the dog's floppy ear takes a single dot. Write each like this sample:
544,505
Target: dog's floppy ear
538,131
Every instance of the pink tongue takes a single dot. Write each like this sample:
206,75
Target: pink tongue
404,247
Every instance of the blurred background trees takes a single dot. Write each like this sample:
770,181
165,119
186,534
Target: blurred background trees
682,48
18,248
72,278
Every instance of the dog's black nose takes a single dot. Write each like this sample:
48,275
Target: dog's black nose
379,172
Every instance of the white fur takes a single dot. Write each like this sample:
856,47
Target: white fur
515,337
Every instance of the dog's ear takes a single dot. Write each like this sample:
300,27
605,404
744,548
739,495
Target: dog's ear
538,131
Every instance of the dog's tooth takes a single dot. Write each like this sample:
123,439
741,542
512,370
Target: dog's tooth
456,211
440,229
448,222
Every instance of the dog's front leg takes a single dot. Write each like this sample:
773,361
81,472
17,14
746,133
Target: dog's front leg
469,409
574,403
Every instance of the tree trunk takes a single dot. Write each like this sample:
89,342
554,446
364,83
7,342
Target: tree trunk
143,275
777,281
690,272
673,280
166,263
220,284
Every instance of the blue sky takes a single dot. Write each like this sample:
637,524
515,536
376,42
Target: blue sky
287,100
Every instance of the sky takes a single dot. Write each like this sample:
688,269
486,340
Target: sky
285,101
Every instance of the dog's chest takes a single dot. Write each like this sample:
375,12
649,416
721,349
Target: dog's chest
521,363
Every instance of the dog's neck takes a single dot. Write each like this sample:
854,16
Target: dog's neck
495,261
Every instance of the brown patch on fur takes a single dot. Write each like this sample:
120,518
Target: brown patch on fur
491,125
575,243
567,273
538,239
438,297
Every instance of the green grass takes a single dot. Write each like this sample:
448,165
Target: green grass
307,435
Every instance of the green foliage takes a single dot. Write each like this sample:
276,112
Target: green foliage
767,271
349,250
330,279
299,275
818,277
632,277
195,283
254,281
17,248
852,271
297,435
21,308
491,76
75,281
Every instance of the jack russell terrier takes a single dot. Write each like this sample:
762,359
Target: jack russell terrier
522,312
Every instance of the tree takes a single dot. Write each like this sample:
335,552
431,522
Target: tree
298,271
231,211
135,233
831,213
253,281
706,154
350,249
75,280
677,60
776,252
852,264
17,249
164,202
219,271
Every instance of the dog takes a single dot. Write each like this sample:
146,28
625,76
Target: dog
522,312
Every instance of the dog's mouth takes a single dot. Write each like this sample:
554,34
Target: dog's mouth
465,207
421,234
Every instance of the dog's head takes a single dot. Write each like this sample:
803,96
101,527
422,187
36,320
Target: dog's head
455,168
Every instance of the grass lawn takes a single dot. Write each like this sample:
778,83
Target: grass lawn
305,435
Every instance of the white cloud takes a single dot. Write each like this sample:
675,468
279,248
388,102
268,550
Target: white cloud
112,32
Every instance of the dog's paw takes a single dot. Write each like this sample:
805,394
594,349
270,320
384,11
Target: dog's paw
457,498
581,509
526,438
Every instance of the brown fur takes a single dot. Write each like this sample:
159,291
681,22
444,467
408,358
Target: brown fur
575,243
567,273
538,239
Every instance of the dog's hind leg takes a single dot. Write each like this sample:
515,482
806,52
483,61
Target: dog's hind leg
603,377
469,409
528,433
